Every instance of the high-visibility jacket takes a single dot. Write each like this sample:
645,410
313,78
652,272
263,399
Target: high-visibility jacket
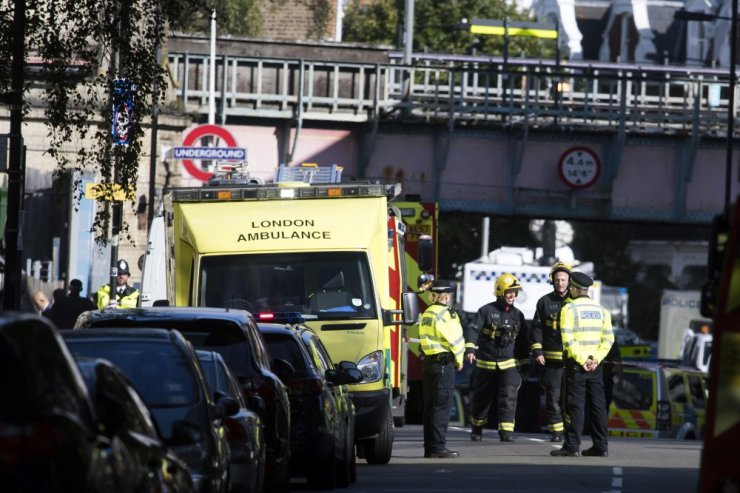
498,337
129,299
545,335
586,329
440,331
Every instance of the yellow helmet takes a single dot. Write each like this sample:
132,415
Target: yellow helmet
560,266
506,282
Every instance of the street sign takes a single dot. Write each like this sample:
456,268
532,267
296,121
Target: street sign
123,111
189,153
108,191
579,167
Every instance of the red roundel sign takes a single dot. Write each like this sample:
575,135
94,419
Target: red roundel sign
188,152
579,167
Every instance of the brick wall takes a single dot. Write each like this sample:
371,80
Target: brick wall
294,19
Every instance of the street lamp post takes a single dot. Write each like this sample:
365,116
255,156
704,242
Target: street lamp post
700,16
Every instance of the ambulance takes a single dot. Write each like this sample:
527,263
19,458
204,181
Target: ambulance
304,244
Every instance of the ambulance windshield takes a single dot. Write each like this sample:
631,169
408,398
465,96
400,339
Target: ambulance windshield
322,285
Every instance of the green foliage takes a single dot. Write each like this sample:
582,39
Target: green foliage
83,47
435,26
235,17
373,23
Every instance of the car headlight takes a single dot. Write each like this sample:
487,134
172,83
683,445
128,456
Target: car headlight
371,367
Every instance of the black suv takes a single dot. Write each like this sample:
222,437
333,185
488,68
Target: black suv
322,412
167,375
233,334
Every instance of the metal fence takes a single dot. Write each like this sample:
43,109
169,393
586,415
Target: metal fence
461,90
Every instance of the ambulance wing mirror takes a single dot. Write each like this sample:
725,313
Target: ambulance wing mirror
425,253
409,311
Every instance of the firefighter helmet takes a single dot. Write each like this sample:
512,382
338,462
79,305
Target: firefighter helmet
558,267
506,282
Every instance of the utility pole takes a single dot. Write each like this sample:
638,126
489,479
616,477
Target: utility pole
408,49
16,169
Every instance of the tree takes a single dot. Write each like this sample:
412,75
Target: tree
435,26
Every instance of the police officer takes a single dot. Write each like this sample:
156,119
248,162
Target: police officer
496,341
586,329
547,346
126,296
443,346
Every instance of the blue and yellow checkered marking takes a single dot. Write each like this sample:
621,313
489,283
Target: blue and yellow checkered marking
522,277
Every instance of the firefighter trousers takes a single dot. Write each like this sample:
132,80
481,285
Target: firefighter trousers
551,379
504,384
438,387
584,388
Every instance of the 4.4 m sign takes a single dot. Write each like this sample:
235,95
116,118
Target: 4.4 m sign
189,152
579,167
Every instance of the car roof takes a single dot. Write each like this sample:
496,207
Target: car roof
170,312
653,365
137,333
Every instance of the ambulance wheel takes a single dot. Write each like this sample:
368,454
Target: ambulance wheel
378,450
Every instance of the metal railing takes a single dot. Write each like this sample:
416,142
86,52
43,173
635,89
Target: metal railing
461,90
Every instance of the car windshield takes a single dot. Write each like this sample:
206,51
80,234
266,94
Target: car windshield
321,285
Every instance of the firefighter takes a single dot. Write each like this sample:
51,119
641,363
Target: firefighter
586,328
443,346
547,346
126,296
496,341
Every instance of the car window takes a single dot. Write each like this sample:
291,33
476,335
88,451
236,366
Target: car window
677,388
45,378
696,390
129,403
159,371
287,347
633,389
318,351
231,386
258,344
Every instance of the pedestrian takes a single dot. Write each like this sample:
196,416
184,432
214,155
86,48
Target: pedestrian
40,302
586,329
126,296
443,345
53,310
72,306
496,340
547,346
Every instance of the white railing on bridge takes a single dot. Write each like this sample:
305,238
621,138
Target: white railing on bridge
460,90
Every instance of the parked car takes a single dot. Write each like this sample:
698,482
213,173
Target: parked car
322,412
234,334
166,373
657,399
244,430
123,415
49,436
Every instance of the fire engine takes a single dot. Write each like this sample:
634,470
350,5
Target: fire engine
305,244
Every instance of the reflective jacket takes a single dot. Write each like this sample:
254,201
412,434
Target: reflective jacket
440,332
498,337
545,338
129,299
586,328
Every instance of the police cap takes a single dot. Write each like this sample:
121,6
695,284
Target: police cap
580,280
123,267
440,287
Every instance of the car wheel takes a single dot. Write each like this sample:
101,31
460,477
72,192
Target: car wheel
353,466
343,467
379,449
323,476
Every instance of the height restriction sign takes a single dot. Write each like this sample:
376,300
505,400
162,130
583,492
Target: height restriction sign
579,167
